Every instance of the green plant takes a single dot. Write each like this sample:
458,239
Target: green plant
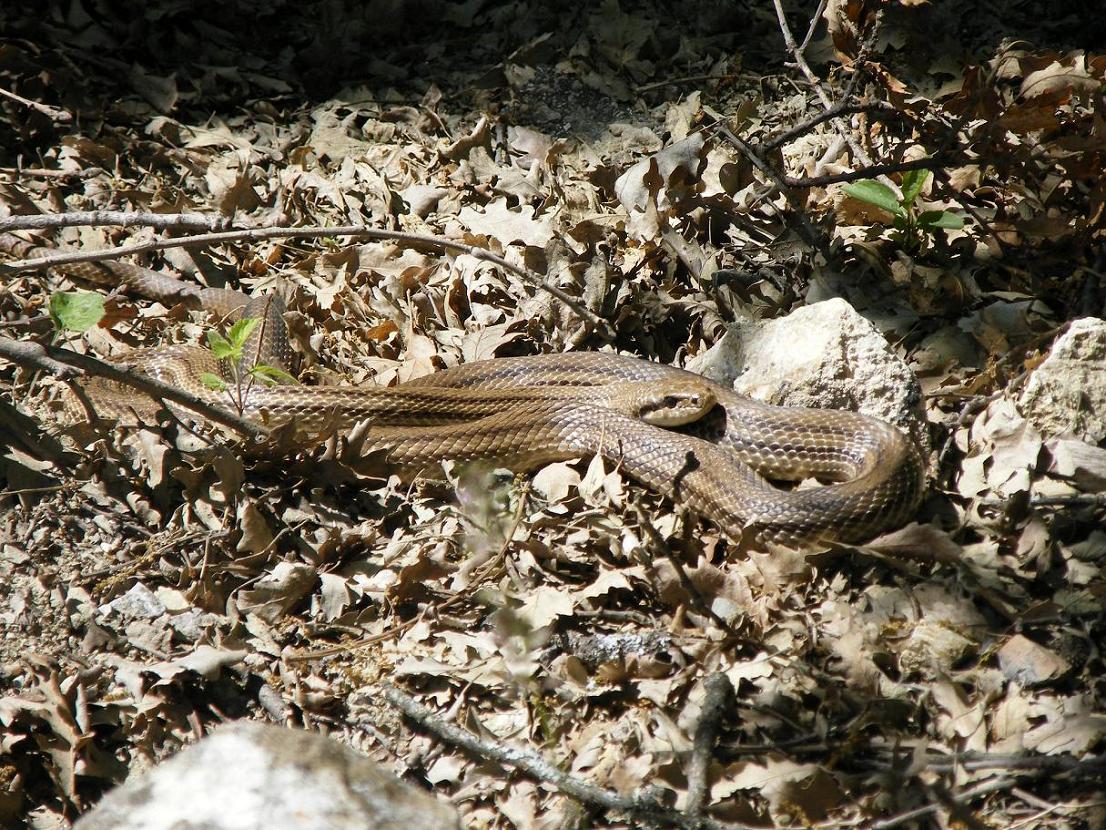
75,311
231,350
911,227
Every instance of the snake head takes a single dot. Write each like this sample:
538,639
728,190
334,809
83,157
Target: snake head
673,403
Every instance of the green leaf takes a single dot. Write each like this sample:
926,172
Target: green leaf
212,381
76,310
912,183
240,332
940,219
875,193
272,374
221,347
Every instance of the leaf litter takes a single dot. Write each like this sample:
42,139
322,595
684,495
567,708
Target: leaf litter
157,583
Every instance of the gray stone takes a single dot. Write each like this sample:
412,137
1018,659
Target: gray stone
249,776
821,356
1066,394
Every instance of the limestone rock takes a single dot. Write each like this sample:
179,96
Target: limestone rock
1066,394
250,775
821,356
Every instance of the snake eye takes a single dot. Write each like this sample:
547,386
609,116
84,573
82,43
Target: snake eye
671,401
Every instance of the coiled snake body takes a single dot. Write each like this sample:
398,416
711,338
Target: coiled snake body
524,411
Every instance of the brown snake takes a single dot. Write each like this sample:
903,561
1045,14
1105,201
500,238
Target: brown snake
524,411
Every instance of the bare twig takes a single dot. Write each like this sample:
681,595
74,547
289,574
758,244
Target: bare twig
994,785
838,109
122,218
260,234
69,365
816,84
643,806
813,27
797,53
483,572
45,173
687,79
53,113
1073,500
697,599
869,172
806,228
718,699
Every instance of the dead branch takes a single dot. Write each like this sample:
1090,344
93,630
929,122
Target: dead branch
805,227
53,113
696,597
838,109
45,173
122,218
813,27
260,234
643,806
931,163
718,699
994,785
687,79
816,84
70,366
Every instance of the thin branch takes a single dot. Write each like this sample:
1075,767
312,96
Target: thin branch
718,699
54,113
1074,500
814,18
122,218
260,234
68,366
805,227
816,83
687,79
870,172
994,785
838,109
45,173
697,600
479,578
797,53
643,806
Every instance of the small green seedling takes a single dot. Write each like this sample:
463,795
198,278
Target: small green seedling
76,311
232,349
910,226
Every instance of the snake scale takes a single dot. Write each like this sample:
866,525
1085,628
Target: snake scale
694,441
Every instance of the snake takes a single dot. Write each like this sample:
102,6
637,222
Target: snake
705,447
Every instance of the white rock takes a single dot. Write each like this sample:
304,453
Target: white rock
249,776
822,356
1066,394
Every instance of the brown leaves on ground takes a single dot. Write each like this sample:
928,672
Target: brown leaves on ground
156,582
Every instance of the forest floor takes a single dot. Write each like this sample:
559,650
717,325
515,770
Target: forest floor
153,584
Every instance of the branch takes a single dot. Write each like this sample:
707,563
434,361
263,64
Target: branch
814,18
44,173
260,234
122,218
68,365
806,228
995,785
642,807
870,172
840,108
687,79
53,113
719,698
816,83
